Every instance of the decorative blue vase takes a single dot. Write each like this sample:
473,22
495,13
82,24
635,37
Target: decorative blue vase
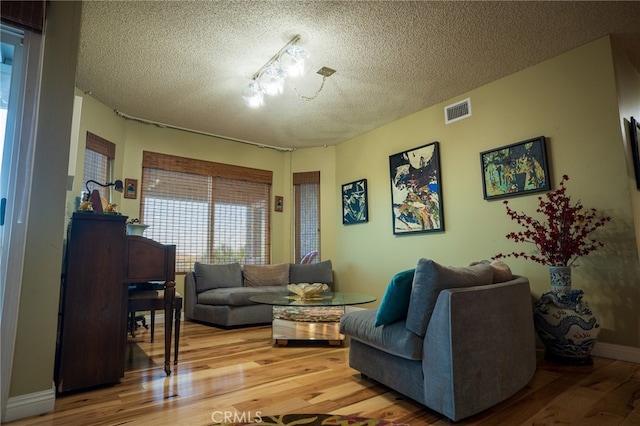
567,327
560,277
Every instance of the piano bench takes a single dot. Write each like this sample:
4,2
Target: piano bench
152,301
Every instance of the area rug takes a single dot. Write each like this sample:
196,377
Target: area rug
312,420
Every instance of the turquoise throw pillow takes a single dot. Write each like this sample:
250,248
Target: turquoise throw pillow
395,302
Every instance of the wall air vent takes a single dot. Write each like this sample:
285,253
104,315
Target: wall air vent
457,111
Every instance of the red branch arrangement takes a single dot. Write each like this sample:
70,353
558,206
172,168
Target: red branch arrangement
564,236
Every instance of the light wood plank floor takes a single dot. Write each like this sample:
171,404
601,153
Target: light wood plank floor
226,371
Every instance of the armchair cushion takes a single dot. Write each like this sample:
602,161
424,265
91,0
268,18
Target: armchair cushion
216,276
321,272
395,301
393,338
264,275
430,278
501,272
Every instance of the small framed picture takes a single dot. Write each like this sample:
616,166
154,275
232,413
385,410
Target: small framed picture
517,169
279,203
131,188
354,202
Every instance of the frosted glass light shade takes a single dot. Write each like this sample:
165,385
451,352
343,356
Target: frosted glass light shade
292,61
252,95
271,80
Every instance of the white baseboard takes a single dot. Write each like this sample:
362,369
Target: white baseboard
31,404
622,353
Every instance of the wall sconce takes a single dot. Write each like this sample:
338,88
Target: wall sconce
94,196
270,78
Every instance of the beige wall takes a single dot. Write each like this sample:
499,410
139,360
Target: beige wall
33,361
571,100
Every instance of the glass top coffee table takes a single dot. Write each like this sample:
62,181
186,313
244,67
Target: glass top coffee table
315,318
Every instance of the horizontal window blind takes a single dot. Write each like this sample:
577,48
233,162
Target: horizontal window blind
176,206
307,213
241,227
205,168
98,155
209,216
28,15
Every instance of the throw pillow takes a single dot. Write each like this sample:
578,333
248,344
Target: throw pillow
395,301
217,276
321,272
501,272
262,275
430,278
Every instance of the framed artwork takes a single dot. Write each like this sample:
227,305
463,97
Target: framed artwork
517,169
131,188
279,203
354,202
634,131
416,190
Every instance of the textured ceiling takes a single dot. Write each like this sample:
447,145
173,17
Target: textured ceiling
185,63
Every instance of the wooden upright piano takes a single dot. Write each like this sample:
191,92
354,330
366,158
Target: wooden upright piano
100,263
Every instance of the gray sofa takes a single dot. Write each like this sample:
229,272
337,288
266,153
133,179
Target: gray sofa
458,340
219,294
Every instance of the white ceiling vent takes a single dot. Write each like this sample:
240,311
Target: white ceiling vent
457,111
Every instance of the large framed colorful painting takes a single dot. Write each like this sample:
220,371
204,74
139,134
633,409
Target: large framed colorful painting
517,169
354,202
416,190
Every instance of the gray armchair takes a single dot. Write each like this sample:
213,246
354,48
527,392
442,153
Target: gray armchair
466,343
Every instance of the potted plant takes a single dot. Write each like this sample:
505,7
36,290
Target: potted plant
564,322
134,227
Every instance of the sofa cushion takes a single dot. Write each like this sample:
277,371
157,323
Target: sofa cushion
501,271
429,279
217,276
394,338
265,275
238,296
395,301
321,272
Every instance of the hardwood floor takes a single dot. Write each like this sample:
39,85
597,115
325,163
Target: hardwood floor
226,371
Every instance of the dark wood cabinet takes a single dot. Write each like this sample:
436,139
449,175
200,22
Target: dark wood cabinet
100,263
93,303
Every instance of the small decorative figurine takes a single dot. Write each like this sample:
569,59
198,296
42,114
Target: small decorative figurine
85,206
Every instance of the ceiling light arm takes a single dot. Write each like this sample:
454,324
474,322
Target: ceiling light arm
275,57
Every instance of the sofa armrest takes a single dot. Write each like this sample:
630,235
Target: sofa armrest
479,348
190,294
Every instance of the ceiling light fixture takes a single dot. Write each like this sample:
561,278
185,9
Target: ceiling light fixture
269,79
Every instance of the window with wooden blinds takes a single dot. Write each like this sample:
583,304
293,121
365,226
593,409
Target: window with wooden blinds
307,213
98,155
209,217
